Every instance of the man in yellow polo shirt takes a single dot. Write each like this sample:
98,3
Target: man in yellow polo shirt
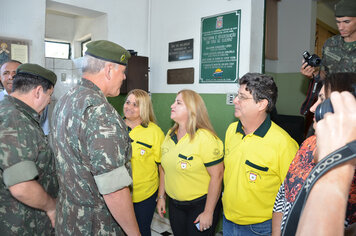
257,157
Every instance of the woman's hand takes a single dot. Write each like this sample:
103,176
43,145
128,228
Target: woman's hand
161,206
205,219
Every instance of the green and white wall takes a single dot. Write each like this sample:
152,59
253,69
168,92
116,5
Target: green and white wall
147,26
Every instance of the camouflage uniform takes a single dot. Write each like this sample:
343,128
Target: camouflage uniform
93,150
24,155
339,56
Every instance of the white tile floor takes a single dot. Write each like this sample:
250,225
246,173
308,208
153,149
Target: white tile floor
160,226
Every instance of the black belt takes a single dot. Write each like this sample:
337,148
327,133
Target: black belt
187,203
334,159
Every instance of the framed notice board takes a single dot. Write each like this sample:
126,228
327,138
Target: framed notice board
13,49
180,50
220,46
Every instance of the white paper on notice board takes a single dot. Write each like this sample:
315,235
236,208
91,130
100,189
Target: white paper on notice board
19,52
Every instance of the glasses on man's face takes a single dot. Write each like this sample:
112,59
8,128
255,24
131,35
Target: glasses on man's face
242,97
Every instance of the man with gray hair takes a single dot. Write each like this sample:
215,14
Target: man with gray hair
93,150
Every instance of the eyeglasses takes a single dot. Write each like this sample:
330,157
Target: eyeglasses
242,97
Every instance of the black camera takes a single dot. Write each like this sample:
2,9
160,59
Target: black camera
326,107
312,60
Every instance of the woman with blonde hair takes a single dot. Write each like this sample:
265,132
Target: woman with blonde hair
192,156
146,143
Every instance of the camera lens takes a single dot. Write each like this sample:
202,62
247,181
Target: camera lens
315,61
323,108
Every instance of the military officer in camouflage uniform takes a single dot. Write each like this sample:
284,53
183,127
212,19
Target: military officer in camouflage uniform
93,150
28,184
339,51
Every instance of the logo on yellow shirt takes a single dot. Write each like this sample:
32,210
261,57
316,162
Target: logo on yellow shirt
142,152
184,164
253,176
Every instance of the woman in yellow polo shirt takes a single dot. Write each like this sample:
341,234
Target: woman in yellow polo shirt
192,156
146,138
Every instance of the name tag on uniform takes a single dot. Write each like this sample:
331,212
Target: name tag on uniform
332,55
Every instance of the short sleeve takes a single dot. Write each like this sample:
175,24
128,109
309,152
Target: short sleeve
17,154
212,149
158,143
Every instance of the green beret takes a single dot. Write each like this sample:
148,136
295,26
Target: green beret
37,70
345,8
108,51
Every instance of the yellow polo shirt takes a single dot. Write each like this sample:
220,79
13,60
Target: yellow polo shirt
146,153
255,167
185,162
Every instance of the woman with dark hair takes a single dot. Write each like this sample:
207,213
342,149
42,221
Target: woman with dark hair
345,81
146,138
192,156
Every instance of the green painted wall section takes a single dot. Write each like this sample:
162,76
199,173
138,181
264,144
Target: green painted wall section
221,115
292,88
291,94
118,103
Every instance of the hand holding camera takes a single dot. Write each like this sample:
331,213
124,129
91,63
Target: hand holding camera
310,62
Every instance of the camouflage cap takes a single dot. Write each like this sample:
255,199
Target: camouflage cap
108,51
37,70
345,8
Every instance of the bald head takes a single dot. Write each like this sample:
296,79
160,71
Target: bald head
7,72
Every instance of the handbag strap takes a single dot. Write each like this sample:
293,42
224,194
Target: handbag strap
334,159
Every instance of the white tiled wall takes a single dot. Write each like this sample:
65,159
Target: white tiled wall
68,75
